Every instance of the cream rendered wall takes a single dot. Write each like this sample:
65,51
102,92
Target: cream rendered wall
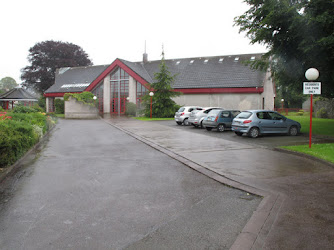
226,101
269,92
106,94
132,89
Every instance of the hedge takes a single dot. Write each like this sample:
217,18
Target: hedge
19,133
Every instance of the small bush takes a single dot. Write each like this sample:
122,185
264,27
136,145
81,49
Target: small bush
59,106
131,109
322,113
24,109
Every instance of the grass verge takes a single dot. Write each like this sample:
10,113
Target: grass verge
153,119
320,126
322,151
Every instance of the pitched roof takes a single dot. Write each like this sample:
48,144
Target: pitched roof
191,73
75,79
205,72
17,94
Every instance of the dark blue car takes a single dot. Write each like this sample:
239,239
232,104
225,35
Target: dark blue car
219,119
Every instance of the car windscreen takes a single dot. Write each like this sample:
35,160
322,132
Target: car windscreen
181,110
244,115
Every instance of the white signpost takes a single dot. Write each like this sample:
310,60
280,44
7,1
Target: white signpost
312,88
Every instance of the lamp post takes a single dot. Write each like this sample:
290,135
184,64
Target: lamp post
151,95
311,74
282,101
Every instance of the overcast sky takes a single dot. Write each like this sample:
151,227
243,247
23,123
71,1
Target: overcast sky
110,29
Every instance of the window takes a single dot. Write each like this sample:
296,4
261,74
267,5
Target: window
178,62
225,114
236,59
141,91
221,60
192,61
206,61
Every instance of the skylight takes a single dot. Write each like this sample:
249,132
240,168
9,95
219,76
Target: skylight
206,60
192,61
236,59
253,58
75,85
178,62
221,60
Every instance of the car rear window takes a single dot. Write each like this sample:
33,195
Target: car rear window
180,110
244,115
214,112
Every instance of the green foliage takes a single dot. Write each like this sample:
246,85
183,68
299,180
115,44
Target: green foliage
84,97
131,109
20,133
24,109
322,113
48,56
42,102
163,105
7,83
299,35
59,106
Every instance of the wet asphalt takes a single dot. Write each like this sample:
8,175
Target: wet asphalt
297,211
92,186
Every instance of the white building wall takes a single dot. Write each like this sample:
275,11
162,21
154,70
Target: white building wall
269,93
132,89
106,94
238,101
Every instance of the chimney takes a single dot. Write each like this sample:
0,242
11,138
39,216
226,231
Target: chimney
145,59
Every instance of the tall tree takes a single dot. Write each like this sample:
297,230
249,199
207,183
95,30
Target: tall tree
46,57
163,105
7,83
298,34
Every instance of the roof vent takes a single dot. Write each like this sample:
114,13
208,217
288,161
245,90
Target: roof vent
192,61
236,59
221,60
178,62
206,61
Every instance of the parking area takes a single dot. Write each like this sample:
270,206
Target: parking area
268,141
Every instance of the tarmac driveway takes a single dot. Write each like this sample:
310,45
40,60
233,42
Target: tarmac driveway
94,187
297,211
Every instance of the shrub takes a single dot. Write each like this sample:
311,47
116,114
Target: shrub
85,97
322,113
131,109
59,106
24,109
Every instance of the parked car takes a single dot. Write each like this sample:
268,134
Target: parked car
258,122
220,119
196,117
182,115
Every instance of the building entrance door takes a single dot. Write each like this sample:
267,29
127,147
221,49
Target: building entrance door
119,91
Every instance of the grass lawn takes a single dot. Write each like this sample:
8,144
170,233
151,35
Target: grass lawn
320,126
153,119
322,151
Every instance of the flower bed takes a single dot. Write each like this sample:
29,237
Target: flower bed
19,132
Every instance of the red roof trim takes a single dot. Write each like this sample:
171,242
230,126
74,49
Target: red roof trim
110,68
220,90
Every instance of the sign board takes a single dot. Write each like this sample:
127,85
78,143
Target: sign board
313,88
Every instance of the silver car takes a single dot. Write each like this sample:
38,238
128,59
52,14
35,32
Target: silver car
182,115
258,122
197,116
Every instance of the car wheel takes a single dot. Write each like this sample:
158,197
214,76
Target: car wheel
293,130
221,128
208,129
185,122
201,124
238,133
254,133
178,123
